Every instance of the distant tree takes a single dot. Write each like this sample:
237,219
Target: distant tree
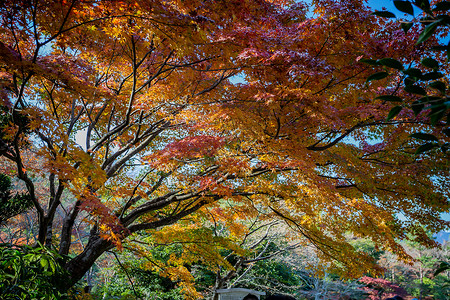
11,205
129,280
417,277
263,265
378,288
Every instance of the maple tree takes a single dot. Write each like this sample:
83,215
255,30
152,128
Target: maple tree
378,288
146,116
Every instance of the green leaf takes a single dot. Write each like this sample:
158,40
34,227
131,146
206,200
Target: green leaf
443,19
404,6
390,98
383,14
430,63
424,136
414,72
394,111
415,89
406,26
372,62
391,63
432,76
440,48
410,80
429,99
440,105
437,115
52,266
377,76
427,32
441,6
427,20
44,263
417,107
422,4
438,85
426,147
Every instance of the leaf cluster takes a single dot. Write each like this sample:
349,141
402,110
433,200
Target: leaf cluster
147,284
31,273
443,266
11,206
425,82
18,119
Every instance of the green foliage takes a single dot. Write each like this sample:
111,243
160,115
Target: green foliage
272,275
426,147
418,278
132,281
367,246
394,112
441,287
415,81
390,98
146,284
426,287
11,206
391,63
205,278
443,266
30,273
377,76
155,286
404,6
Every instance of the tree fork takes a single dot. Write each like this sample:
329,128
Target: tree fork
79,265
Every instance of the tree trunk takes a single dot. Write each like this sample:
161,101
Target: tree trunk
79,265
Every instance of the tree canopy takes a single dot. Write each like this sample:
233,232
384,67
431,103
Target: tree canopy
158,117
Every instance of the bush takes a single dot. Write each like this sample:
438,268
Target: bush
30,273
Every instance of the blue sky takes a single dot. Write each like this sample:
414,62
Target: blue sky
379,4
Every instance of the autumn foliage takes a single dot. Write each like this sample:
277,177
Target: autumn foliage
378,288
165,116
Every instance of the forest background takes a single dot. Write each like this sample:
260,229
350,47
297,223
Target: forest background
338,131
